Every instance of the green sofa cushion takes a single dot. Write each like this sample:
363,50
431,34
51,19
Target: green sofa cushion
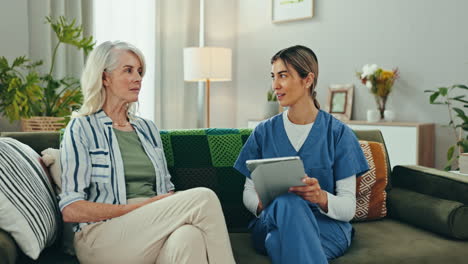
441,216
205,157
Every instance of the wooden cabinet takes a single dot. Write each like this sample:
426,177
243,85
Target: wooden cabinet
407,143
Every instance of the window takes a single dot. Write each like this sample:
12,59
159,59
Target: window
133,22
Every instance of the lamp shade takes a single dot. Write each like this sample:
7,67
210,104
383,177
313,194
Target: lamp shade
202,63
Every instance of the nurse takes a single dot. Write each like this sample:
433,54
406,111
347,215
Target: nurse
310,224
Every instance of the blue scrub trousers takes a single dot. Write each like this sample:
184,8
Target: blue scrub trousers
292,230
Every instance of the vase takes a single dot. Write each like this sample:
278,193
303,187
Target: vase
389,115
381,101
271,109
373,115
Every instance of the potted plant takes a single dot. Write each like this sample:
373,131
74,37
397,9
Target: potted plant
458,119
272,107
40,100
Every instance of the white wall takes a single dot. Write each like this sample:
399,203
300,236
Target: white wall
426,40
14,41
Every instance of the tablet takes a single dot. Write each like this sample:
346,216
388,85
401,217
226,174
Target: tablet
252,164
273,177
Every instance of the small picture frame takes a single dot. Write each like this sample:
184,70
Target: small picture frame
340,101
291,10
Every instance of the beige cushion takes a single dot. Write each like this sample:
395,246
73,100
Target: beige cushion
51,158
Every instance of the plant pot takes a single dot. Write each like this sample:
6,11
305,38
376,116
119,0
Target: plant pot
463,163
271,109
42,123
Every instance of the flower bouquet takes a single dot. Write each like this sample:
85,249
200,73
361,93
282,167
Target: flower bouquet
379,82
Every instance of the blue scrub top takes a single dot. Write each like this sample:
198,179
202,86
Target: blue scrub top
331,151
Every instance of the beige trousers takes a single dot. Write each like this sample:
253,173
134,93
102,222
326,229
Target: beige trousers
186,227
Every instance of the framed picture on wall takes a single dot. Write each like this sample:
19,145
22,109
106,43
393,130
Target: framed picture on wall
340,101
290,10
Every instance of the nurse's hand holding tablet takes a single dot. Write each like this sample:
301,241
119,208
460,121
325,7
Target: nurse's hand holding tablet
312,192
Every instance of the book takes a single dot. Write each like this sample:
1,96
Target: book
273,177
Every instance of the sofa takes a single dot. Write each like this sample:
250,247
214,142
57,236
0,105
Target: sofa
425,222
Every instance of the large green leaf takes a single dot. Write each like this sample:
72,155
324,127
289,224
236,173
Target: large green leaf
450,158
463,144
465,126
460,100
461,86
3,64
461,114
450,152
18,61
443,91
69,33
433,97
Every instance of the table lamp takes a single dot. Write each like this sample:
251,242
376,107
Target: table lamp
208,64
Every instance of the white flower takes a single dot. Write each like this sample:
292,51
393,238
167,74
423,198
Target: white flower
369,85
368,70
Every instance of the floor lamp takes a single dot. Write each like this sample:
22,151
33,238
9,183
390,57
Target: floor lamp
208,64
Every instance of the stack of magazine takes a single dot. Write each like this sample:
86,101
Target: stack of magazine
273,177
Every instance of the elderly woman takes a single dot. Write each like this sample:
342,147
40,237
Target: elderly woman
116,185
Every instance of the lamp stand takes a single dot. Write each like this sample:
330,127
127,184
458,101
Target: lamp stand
208,103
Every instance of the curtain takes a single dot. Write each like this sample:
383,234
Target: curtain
177,28
42,40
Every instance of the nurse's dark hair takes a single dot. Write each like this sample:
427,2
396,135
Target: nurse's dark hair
304,61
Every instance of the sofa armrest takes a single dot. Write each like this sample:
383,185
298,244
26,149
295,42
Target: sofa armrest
8,248
438,215
432,182
431,199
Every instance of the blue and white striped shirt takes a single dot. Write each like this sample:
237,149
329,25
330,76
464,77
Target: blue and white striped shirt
92,165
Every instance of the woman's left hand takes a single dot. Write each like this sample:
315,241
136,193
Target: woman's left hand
312,192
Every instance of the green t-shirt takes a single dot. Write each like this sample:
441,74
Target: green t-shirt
140,176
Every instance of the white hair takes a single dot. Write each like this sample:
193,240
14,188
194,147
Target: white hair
105,58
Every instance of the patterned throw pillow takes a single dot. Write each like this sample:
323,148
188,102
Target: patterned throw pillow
370,187
28,207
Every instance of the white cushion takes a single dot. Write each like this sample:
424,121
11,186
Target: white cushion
28,207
